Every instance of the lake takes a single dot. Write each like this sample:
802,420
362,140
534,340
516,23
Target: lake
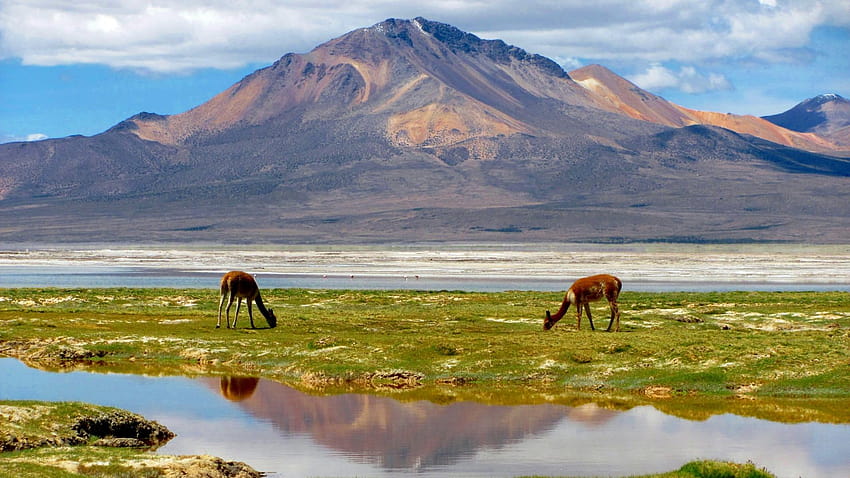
286,432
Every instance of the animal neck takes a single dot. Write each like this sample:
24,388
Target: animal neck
262,307
565,305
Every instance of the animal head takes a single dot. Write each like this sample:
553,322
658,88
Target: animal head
272,319
548,322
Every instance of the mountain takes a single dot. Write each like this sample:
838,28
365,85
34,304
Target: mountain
413,130
626,98
826,115
428,83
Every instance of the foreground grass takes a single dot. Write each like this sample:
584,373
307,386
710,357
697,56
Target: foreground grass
793,346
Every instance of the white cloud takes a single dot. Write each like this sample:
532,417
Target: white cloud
687,79
656,77
163,36
5,138
171,35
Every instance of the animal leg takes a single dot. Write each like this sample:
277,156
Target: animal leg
220,306
578,314
615,315
589,317
227,311
238,305
250,313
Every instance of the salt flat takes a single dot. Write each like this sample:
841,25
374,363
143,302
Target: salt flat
751,263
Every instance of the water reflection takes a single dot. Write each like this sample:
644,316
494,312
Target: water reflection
467,438
399,435
287,432
237,389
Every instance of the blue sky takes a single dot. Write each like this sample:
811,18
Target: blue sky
81,67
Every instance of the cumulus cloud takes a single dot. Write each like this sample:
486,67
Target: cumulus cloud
687,79
162,36
172,36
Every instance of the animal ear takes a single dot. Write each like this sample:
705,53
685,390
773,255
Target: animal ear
548,315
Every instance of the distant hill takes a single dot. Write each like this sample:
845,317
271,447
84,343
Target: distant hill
826,115
626,98
413,130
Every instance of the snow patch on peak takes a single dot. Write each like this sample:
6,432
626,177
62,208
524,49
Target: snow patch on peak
827,97
419,26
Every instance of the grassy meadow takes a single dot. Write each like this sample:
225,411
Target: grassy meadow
792,345
782,356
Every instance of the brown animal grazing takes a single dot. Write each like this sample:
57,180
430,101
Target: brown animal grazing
584,291
240,285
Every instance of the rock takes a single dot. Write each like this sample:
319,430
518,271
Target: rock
123,424
204,466
120,443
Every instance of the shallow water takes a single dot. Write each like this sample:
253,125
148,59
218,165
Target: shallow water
286,432
27,276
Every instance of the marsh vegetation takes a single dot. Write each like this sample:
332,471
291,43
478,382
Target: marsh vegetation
753,344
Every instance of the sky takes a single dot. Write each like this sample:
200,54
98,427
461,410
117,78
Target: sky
81,67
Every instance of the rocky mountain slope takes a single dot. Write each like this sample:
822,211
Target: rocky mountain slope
413,130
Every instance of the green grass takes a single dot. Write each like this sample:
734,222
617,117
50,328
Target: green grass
791,346
712,469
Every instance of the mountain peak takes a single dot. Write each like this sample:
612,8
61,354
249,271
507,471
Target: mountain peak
434,83
458,40
823,114
827,97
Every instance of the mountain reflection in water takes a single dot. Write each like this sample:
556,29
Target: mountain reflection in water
394,434
285,432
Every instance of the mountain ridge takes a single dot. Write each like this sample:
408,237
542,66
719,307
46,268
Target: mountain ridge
414,130
627,98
